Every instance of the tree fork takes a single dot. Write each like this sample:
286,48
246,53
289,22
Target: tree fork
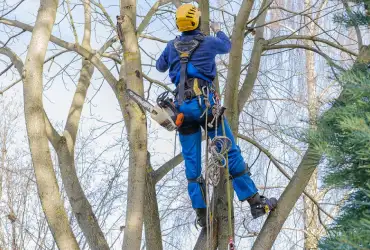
47,185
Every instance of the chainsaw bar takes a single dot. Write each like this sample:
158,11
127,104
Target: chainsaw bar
141,101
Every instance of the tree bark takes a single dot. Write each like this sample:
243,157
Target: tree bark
204,9
47,185
81,207
235,60
254,64
64,146
131,78
233,76
153,233
311,224
202,239
292,192
222,218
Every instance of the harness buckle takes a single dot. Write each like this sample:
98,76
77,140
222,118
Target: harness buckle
184,59
184,54
188,95
199,180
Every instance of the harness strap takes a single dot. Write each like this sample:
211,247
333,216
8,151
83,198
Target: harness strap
200,179
183,76
202,184
185,50
245,171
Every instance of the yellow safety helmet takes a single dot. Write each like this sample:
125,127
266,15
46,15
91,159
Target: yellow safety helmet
187,17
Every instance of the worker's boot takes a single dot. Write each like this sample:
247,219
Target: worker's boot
201,216
261,205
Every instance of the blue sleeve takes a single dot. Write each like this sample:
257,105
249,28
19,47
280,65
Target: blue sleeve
162,63
221,44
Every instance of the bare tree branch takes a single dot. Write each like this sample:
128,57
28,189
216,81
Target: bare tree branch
53,136
149,16
153,38
167,167
301,46
281,169
254,64
311,38
71,47
10,86
357,29
235,60
161,84
14,8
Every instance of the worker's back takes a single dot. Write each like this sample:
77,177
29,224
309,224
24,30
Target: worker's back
202,62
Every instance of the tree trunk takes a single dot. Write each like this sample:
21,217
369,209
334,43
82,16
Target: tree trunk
292,192
131,78
81,207
235,60
204,9
47,185
202,239
231,94
254,64
14,236
311,224
153,233
221,204
2,166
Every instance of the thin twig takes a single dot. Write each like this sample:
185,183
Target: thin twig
281,169
10,86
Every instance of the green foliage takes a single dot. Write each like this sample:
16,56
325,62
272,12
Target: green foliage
352,19
352,228
345,129
344,135
355,17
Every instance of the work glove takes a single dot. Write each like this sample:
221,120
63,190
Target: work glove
215,27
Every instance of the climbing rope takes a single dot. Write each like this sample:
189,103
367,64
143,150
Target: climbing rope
209,181
217,149
231,245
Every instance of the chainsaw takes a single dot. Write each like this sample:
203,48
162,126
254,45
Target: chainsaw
165,112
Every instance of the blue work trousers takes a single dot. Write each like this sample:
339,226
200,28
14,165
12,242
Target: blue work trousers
191,151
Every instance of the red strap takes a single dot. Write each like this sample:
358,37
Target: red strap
231,244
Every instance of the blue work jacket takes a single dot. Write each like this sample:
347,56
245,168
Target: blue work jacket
202,62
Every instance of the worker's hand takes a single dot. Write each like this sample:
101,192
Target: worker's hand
215,27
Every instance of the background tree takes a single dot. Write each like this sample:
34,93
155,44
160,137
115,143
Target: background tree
344,131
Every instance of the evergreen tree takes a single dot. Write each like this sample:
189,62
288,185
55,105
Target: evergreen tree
345,132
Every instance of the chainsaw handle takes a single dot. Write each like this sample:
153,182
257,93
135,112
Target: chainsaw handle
179,119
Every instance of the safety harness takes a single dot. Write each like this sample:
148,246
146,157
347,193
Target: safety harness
217,148
188,87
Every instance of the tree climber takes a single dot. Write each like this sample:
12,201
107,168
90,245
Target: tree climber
190,59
